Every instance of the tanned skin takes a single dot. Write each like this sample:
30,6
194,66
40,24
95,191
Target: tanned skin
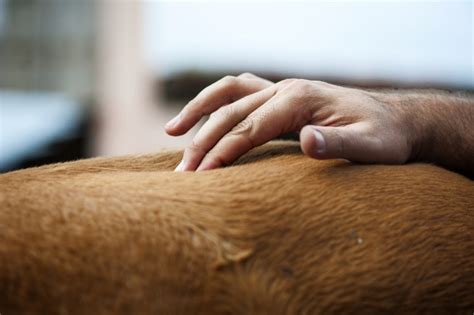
442,124
366,126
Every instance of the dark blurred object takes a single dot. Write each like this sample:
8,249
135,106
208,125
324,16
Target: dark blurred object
39,128
74,147
186,85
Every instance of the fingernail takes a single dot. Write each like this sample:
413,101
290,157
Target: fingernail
180,167
320,142
173,121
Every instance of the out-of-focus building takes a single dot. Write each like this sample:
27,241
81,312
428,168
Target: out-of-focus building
48,45
47,80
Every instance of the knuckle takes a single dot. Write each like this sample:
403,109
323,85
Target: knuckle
229,81
247,75
195,147
302,86
286,82
223,113
243,128
320,83
298,87
244,132
298,92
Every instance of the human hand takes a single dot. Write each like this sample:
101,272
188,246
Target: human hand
334,122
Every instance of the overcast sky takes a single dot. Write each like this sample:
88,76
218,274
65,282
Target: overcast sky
411,41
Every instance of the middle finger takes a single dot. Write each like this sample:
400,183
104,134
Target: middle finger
220,123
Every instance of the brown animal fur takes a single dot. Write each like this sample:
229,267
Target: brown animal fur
277,233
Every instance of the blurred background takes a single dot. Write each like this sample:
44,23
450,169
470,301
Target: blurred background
83,78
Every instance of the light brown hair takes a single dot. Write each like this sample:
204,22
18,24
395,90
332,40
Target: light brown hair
276,233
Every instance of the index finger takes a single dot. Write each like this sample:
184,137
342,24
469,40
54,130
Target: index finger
222,92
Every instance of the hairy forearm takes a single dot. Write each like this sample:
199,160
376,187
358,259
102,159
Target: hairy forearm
441,124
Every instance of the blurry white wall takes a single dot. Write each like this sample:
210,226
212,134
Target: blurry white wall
128,119
400,41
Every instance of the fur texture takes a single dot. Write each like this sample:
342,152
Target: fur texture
276,233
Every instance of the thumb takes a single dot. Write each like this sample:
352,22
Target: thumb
350,142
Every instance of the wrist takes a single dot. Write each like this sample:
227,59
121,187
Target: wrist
437,125
413,117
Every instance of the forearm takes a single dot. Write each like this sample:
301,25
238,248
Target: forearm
441,124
